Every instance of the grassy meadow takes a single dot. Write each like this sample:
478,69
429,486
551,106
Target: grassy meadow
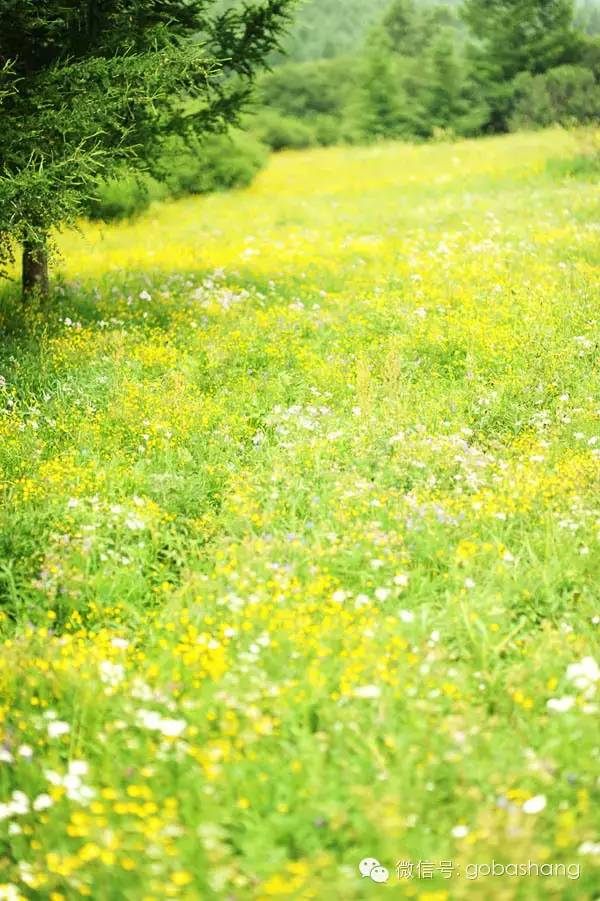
300,537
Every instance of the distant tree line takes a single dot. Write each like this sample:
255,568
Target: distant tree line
470,68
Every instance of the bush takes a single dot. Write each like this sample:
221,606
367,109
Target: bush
218,163
305,104
565,95
124,197
307,90
282,132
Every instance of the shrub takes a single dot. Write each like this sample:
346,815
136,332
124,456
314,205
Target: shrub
306,90
283,132
124,197
304,104
564,95
218,163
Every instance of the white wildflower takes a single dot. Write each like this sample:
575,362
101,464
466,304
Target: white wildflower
534,805
172,728
561,705
119,643
78,768
592,848
19,803
42,802
57,728
367,691
111,673
584,675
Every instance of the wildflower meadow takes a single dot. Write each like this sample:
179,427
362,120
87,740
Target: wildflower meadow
300,537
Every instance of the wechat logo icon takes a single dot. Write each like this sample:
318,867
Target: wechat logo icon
369,867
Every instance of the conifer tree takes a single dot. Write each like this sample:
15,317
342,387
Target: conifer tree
88,84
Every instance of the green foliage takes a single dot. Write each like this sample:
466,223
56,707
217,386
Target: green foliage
124,196
306,104
590,55
430,70
309,89
89,87
564,95
522,35
514,36
414,80
387,105
281,132
218,163
587,16
445,103
324,29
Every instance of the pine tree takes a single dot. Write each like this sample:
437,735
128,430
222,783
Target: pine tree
88,84
379,105
445,102
514,36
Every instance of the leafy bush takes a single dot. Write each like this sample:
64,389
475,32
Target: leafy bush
281,132
124,197
216,164
219,163
305,104
565,95
306,90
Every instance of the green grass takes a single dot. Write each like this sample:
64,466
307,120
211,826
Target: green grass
299,537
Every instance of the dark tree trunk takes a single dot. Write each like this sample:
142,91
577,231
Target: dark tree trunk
35,270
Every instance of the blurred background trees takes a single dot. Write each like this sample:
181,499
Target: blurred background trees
345,71
417,69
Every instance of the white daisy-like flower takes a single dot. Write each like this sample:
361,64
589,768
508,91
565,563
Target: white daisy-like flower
19,803
119,643
534,805
111,673
367,691
561,705
172,728
56,728
584,675
42,802
592,848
